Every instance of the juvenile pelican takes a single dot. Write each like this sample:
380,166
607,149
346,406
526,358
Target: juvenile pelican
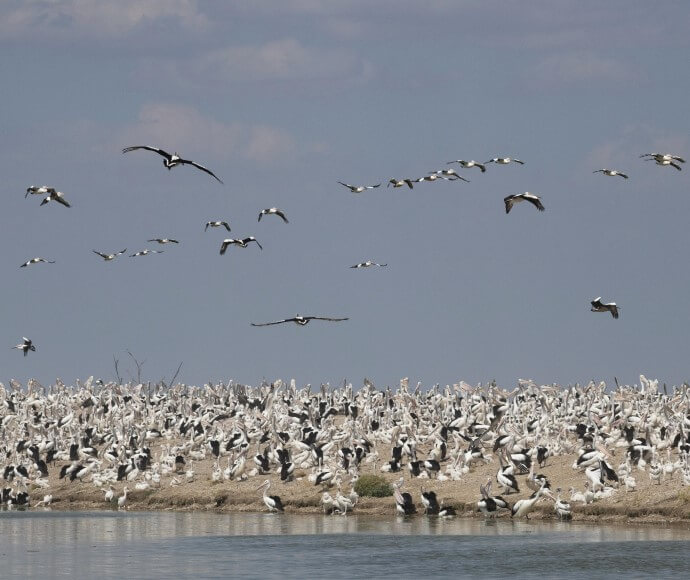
171,161
599,306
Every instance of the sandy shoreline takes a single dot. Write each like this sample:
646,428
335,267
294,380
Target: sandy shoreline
649,503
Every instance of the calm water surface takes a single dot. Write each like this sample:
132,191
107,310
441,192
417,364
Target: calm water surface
48,544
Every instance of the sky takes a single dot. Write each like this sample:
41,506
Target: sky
284,99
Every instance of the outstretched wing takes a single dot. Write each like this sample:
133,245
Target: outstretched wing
325,318
62,200
509,203
198,166
148,148
536,202
104,256
245,241
224,246
272,323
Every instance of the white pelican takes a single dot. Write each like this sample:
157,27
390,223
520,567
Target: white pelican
36,261
300,320
599,306
272,502
171,161
505,161
561,507
611,173
108,257
434,176
468,164
358,188
450,173
523,507
527,196
122,500
368,264
38,190
26,346
241,243
273,211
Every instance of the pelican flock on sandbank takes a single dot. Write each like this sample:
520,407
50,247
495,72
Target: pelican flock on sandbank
440,449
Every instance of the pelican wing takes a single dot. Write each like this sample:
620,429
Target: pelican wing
148,148
198,166
272,323
325,318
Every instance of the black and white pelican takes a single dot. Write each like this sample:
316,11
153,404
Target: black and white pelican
505,161
368,264
164,241
54,195
217,224
511,200
400,182
26,346
38,190
358,188
450,173
36,261
273,211
173,160
664,159
611,173
599,306
468,164
109,257
300,320
145,252
273,502
241,243
523,507
489,505
403,501
561,507
430,502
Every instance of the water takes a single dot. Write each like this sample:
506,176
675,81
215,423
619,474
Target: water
101,545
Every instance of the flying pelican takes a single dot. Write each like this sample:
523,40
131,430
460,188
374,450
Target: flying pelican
599,306
273,211
527,196
468,164
272,502
108,257
434,176
241,243
38,190
36,261
504,161
664,159
400,182
58,196
300,320
164,241
145,253
358,188
450,173
26,346
611,172
368,264
217,224
171,161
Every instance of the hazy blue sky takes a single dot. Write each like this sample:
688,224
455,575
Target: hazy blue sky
284,99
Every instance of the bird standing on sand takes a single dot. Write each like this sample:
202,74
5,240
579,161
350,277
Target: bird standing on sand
272,502
173,160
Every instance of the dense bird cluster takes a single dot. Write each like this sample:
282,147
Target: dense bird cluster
136,437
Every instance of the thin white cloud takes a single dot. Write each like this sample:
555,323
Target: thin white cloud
93,18
578,67
185,129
